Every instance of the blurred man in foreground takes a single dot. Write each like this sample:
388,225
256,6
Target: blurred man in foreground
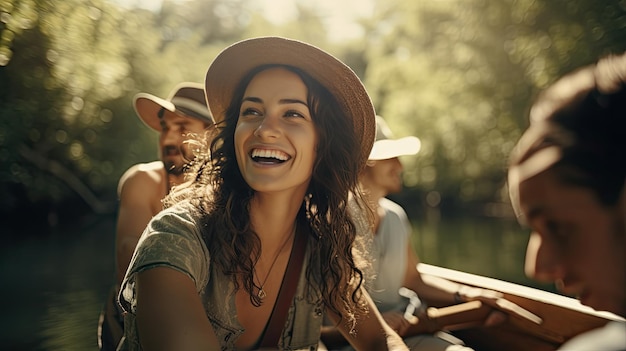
567,182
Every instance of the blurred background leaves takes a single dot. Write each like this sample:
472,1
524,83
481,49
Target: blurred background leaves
459,74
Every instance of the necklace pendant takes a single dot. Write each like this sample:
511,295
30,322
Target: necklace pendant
261,294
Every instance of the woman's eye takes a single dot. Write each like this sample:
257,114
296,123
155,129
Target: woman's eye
293,114
250,112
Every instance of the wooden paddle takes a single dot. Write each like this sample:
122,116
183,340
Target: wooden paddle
538,320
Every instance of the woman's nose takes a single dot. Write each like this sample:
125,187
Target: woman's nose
269,127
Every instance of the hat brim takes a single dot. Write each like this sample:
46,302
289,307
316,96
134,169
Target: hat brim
147,107
237,60
391,148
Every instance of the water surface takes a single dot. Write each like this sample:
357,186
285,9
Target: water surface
54,288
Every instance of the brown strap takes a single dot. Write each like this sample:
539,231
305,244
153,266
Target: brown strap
287,290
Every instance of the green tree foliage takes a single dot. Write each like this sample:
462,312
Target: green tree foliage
69,71
460,74
60,87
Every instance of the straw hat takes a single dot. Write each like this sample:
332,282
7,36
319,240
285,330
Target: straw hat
234,62
186,98
386,147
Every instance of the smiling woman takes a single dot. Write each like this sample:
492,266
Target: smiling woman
275,135
258,247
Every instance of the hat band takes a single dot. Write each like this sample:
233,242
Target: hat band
191,108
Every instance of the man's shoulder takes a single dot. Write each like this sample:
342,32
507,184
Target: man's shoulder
391,206
154,166
150,169
151,174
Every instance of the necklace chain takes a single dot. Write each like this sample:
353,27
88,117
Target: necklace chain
262,294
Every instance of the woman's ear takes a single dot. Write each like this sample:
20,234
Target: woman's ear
370,163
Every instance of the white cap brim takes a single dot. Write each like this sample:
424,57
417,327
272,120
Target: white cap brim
391,148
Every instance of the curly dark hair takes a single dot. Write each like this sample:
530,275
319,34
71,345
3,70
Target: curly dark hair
222,197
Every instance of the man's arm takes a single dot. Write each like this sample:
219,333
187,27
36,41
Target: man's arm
435,292
439,292
140,195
